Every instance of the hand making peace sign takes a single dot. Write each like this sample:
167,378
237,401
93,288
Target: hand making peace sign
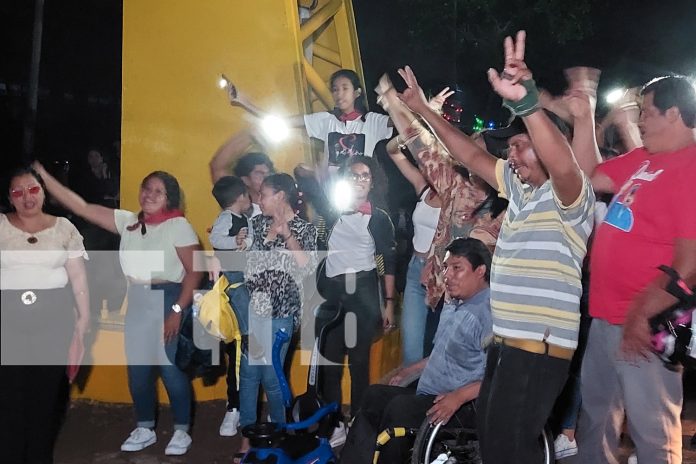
508,84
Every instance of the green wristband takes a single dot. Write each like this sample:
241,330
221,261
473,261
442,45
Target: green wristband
528,104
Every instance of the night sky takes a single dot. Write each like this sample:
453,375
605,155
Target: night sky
80,80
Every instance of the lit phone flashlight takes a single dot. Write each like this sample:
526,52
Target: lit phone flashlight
224,82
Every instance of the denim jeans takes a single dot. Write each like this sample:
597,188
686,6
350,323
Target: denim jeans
569,418
146,353
257,368
239,299
414,314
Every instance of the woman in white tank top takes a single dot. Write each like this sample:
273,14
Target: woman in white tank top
425,218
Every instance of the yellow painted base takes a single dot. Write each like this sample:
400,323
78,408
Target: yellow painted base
109,382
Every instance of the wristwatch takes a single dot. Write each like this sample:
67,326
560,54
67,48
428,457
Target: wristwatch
176,308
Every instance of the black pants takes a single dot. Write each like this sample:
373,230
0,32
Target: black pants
386,406
30,407
364,304
516,398
232,390
36,327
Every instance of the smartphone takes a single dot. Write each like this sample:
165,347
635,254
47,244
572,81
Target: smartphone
226,83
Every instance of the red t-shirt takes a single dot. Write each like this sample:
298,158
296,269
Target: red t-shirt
654,206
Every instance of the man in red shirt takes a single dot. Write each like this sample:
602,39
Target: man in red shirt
651,221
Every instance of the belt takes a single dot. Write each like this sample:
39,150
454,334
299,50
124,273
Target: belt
536,346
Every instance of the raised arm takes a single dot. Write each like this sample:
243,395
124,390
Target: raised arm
577,108
230,151
238,99
520,95
404,122
96,214
458,144
408,170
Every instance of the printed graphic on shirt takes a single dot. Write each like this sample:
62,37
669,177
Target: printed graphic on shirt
620,214
340,147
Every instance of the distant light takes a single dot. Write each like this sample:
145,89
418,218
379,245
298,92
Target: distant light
614,95
491,124
275,128
222,83
342,195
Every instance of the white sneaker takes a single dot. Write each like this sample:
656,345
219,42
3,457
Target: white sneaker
565,447
338,437
179,444
633,459
230,422
139,439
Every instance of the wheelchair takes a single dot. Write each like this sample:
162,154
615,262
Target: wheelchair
450,444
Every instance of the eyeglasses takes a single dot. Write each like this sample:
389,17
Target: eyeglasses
154,192
357,177
19,192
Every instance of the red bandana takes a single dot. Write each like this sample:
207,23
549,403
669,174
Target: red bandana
154,219
352,116
365,208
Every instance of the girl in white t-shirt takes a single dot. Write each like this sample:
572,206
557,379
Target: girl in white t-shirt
348,130
156,254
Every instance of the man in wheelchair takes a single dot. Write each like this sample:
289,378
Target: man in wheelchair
450,377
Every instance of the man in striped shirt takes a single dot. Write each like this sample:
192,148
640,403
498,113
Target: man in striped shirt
535,279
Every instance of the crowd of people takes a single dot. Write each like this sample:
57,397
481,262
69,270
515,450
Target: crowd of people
512,246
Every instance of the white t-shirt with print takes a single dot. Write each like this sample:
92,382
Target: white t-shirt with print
352,138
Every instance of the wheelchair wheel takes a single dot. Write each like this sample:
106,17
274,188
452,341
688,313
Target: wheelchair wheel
459,445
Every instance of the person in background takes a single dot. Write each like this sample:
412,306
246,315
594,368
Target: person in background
157,256
359,237
45,315
450,378
283,253
469,207
231,232
644,228
347,130
250,166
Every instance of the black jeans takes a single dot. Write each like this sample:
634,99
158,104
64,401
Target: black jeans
386,406
517,395
232,390
364,304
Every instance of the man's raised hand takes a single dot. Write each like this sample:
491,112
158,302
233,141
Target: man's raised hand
508,84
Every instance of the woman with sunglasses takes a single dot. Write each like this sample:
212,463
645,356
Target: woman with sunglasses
44,319
361,249
156,254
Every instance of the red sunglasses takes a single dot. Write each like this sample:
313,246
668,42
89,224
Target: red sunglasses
19,193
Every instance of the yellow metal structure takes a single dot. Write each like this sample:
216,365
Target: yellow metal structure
174,116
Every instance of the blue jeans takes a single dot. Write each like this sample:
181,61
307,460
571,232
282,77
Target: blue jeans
147,305
569,419
239,299
256,368
414,314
